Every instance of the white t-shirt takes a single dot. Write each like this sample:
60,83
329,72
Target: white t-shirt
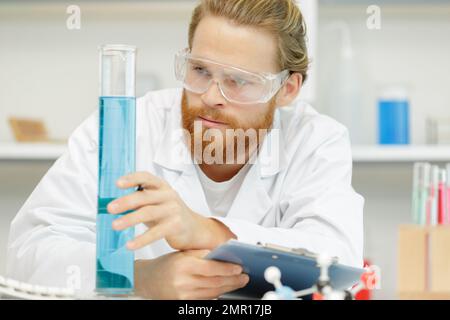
220,195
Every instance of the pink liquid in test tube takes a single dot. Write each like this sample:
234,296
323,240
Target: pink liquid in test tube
447,200
442,195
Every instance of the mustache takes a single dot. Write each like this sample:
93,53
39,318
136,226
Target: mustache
191,112
214,116
211,114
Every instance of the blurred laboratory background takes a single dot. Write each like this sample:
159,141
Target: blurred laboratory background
380,67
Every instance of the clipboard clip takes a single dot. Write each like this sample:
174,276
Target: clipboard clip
300,251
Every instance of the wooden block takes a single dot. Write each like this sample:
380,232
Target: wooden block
28,130
411,272
423,296
440,259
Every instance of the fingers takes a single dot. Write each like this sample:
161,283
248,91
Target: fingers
197,253
180,282
143,179
235,281
212,268
147,215
136,200
158,232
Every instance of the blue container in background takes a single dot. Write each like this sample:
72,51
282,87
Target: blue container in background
393,118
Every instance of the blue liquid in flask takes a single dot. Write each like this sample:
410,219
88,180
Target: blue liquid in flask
117,146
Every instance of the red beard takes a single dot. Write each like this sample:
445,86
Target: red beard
191,114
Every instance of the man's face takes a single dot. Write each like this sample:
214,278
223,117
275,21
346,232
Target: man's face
248,48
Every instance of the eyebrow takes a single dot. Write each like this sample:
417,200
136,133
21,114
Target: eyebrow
197,62
204,62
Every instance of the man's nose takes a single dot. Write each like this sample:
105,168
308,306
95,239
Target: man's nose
213,97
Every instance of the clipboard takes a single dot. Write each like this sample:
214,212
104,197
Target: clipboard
298,267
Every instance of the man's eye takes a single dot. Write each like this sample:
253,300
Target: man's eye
237,82
200,70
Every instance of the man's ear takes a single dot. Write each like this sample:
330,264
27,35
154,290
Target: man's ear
290,90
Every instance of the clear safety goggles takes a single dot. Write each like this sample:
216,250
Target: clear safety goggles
236,85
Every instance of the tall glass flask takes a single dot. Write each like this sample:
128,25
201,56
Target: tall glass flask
117,145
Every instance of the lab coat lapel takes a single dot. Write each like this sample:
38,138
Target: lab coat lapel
174,158
253,201
191,191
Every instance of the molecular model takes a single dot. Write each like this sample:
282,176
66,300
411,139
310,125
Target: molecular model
322,289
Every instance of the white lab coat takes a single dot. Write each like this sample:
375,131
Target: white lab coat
300,196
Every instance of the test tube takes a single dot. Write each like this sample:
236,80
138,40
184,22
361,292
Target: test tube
442,197
433,196
421,186
415,192
117,144
448,195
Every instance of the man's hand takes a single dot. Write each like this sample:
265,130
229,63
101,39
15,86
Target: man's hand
185,275
158,206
